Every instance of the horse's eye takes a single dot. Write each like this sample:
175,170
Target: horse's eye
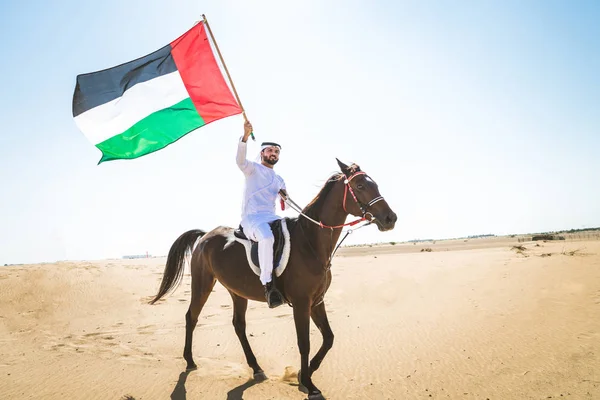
359,186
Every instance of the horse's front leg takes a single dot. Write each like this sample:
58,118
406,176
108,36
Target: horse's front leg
302,320
319,317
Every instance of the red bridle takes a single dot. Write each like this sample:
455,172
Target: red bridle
348,188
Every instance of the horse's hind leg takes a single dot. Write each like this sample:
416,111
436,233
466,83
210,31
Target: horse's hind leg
319,317
203,282
240,305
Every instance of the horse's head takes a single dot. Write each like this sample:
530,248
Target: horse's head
362,198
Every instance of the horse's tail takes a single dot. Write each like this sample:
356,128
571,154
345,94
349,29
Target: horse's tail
176,261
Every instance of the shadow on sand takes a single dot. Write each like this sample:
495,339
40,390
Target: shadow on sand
238,392
180,393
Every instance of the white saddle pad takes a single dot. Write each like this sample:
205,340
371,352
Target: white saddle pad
285,255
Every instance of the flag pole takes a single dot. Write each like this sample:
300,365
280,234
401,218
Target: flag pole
226,71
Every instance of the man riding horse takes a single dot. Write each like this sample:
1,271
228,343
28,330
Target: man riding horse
262,187
217,256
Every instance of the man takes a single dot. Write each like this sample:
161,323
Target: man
262,187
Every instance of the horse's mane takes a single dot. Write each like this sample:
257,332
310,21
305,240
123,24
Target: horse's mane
316,204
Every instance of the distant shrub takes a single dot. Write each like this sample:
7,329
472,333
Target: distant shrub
571,253
547,236
520,250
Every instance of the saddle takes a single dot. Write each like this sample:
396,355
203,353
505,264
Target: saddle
281,246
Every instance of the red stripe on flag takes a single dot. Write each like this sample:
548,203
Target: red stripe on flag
202,77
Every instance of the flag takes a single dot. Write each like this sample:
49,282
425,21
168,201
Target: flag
146,104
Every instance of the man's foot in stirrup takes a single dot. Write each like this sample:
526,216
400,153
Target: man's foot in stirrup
274,298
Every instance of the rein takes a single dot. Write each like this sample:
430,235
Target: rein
363,209
297,208
347,188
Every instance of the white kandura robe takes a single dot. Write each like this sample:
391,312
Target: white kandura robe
258,208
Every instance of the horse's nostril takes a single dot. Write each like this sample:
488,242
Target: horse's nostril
390,219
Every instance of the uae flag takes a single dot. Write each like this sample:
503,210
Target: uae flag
144,105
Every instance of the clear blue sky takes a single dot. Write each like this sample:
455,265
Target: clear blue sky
473,117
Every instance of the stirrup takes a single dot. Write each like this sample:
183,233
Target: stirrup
273,296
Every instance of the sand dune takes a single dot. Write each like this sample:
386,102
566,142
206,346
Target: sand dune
469,320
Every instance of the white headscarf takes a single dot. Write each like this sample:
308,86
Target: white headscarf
263,146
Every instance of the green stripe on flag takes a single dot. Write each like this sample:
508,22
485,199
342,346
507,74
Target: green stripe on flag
152,133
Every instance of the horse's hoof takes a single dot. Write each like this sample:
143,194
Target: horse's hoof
260,376
191,367
301,387
317,396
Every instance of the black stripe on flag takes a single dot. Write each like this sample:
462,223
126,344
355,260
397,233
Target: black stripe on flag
96,88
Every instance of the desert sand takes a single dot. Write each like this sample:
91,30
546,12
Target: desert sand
472,319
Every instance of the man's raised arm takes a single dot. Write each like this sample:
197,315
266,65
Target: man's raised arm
246,166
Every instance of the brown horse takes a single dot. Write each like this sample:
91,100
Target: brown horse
305,280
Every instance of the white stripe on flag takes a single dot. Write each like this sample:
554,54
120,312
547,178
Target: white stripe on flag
115,117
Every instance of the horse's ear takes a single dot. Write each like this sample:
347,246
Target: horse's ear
343,167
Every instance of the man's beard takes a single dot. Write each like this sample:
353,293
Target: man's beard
269,161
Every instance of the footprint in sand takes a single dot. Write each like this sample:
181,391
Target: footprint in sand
585,335
106,344
67,344
147,330
104,333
